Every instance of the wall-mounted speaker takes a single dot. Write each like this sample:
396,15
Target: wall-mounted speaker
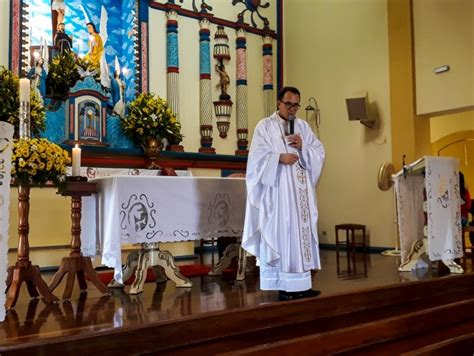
358,109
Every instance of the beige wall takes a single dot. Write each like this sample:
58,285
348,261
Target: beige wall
49,219
444,35
337,49
447,124
4,30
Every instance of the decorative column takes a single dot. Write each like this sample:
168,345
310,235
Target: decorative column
172,88
205,92
241,92
269,102
19,38
172,77
222,107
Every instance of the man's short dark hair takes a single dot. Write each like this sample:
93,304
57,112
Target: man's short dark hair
284,90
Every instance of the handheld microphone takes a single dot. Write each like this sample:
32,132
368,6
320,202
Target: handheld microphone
291,123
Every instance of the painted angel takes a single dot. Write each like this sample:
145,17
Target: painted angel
97,41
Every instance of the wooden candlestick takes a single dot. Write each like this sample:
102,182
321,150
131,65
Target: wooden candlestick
76,264
24,271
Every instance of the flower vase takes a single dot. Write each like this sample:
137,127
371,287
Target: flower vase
152,147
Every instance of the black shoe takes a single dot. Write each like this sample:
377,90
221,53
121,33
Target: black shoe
283,295
309,293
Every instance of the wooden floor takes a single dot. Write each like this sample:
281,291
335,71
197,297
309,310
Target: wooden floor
35,321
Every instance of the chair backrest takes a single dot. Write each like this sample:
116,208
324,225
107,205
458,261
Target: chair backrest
350,226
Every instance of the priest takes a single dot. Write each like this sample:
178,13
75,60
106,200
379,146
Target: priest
284,165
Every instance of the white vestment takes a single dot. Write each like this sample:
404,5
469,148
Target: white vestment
281,213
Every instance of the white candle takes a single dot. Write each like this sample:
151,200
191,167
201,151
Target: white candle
76,161
24,89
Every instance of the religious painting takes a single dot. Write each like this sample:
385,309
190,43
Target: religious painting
101,32
65,42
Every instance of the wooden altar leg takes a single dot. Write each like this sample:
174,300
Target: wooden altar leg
161,261
140,273
242,266
76,264
230,253
127,270
165,259
24,271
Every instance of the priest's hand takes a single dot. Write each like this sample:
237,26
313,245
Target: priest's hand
295,141
288,158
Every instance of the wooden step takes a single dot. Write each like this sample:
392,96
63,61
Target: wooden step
350,339
245,327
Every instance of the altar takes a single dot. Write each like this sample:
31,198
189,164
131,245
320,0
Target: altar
154,209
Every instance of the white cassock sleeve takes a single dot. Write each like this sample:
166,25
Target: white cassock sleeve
262,174
312,153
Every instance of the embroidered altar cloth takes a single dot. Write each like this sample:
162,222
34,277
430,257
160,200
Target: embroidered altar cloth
136,209
439,177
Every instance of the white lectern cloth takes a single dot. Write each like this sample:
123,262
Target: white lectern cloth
443,203
160,209
6,146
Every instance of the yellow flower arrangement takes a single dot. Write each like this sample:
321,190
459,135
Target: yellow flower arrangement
37,161
150,116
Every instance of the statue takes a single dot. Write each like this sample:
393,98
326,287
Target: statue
60,7
223,82
37,75
118,92
62,41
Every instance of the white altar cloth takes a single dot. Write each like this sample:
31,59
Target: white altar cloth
135,209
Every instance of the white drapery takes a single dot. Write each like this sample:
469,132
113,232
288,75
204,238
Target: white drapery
439,176
6,146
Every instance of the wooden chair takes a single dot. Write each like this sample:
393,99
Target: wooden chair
350,244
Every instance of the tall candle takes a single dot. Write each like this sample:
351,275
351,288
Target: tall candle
76,161
24,90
